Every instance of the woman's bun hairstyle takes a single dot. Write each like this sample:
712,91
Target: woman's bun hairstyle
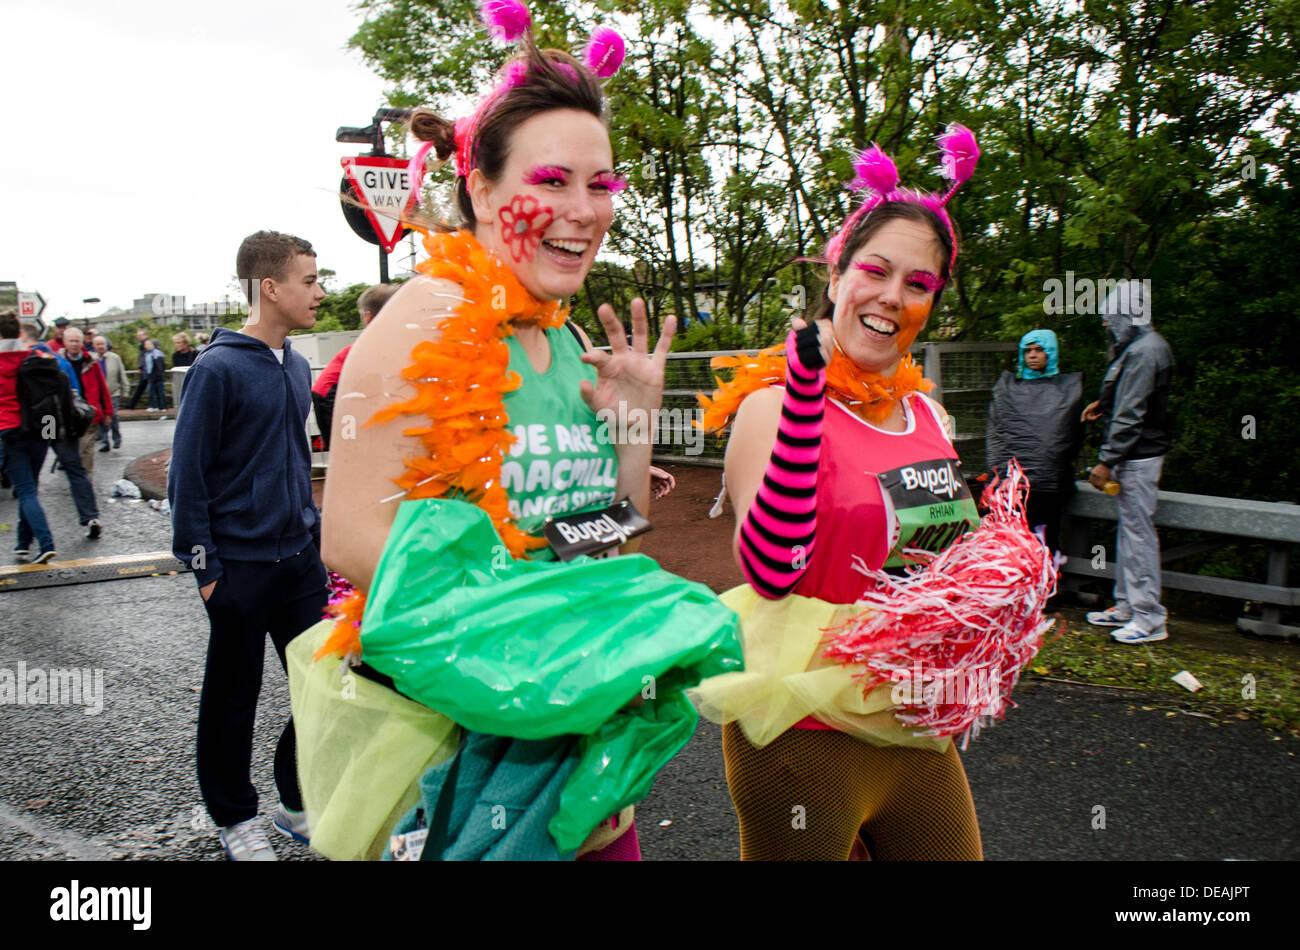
427,126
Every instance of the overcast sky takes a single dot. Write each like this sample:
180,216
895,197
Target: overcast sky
143,140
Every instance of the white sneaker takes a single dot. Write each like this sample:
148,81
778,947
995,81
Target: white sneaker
292,824
246,841
1110,617
1132,633
93,528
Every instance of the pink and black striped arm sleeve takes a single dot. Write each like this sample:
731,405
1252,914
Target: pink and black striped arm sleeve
777,535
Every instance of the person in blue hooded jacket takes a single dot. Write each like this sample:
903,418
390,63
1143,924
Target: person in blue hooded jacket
1035,418
244,519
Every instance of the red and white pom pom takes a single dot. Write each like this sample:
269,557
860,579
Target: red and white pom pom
875,170
960,154
955,635
605,51
507,20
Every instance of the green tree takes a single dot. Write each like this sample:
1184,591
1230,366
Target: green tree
338,311
1115,134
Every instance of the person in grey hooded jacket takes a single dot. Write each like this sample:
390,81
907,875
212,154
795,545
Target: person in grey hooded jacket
1134,400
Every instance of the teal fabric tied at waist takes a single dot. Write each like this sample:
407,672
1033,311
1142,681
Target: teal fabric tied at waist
541,649
492,800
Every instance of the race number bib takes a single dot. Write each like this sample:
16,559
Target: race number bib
932,504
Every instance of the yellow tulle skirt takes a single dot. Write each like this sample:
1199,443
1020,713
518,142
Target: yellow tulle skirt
361,750
786,678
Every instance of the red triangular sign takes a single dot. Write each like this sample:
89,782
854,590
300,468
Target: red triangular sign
384,188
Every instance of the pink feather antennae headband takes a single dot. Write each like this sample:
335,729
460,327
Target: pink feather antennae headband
508,21
878,176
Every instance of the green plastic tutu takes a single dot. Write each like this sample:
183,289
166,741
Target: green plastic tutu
536,649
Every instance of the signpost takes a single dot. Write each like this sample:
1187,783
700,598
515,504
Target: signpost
379,184
30,307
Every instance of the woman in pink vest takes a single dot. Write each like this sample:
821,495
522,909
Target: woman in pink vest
835,464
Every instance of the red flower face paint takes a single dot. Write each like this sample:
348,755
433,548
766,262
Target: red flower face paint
523,222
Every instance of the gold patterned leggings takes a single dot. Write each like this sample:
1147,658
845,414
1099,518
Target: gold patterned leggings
812,796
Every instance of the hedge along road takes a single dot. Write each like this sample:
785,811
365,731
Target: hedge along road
120,782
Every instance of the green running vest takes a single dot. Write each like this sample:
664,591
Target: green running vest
559,464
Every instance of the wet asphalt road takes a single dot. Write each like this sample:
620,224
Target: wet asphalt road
121,784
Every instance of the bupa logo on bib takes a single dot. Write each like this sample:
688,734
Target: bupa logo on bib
932,504
921,482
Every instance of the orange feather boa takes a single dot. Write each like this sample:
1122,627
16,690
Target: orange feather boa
870,395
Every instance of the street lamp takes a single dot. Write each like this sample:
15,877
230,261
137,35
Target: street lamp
84,302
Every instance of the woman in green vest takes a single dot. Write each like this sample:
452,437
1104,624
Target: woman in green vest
470,386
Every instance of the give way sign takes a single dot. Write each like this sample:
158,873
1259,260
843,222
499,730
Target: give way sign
385,190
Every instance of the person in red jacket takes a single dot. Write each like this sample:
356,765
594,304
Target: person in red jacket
56,341
21,456
94,389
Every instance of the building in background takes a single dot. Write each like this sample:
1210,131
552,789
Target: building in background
170,310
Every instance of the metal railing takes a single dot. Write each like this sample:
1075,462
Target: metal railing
963,375
1275,523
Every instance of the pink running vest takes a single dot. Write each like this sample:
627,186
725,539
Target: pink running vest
878,492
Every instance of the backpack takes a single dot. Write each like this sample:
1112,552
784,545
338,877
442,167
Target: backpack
48,403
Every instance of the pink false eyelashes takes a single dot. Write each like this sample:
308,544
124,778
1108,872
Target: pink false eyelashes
542,173
932,283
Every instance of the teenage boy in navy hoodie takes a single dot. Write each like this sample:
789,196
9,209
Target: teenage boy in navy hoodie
244,519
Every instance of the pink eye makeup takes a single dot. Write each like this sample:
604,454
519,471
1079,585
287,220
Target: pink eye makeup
931,283
610,181
540,174
921,279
